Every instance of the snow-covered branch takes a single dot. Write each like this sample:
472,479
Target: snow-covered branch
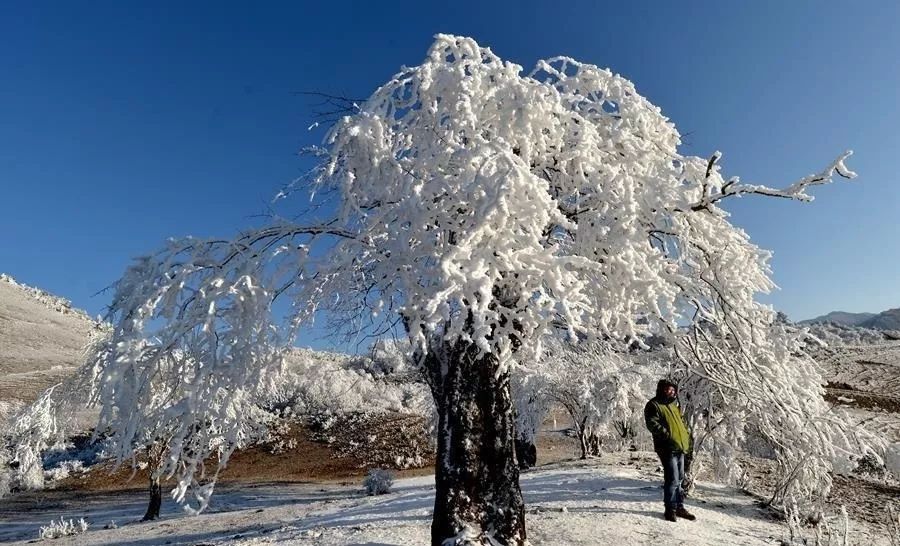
715,188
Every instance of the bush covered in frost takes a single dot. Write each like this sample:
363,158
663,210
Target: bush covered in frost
63,528
379,481
384,439
314,382
839,334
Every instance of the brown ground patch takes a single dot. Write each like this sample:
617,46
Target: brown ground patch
865,500
840,393
308,461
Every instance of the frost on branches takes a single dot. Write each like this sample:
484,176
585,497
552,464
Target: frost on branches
749,382
602,391
177,383
32,430
481,207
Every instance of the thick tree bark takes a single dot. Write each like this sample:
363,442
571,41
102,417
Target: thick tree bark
155,500
477,494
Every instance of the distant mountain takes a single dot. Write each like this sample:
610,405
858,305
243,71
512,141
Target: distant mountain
886,320
842,318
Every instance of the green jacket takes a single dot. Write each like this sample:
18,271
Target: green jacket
666,424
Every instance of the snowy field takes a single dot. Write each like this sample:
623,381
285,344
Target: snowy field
568,503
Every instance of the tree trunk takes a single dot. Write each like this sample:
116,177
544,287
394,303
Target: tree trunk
155,500
687,485
590,442
526,453
154,462
477,495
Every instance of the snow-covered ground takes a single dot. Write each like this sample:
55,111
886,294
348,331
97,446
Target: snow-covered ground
867,381
569,503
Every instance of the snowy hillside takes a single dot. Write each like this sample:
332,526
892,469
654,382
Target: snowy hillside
857,358
41,338
865,376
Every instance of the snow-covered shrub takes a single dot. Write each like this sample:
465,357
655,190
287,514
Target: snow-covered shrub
376,413
832,333
379,481
393,358
34,429
815,527
380,438
63,528
278,437
87,449
316,382
872,466
63,470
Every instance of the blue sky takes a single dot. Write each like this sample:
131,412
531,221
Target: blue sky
124,123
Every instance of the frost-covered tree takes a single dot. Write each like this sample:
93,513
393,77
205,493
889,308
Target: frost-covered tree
479,207
530,390
34,428
174,405
597,387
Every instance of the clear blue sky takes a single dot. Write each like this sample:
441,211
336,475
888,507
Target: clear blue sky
123,123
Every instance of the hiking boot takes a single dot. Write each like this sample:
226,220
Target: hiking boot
682,512
670,515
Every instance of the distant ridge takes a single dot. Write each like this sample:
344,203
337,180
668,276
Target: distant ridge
841,317
886,320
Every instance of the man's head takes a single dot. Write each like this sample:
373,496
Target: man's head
666,390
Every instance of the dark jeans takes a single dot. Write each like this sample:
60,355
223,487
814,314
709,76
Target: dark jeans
673,475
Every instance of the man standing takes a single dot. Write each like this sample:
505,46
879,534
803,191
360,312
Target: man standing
671,441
